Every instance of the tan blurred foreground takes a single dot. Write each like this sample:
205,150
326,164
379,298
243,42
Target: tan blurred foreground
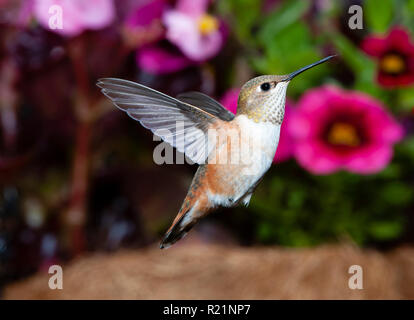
213,272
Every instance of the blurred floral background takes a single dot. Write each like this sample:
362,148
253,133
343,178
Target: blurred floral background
77,175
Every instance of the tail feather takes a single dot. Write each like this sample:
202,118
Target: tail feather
177,231
195,206
190,213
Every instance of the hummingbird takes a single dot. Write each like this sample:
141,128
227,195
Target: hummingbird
206,138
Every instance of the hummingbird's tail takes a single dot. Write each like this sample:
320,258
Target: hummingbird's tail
195,206
191,211
178,230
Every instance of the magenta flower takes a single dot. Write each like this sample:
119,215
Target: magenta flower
286,143
144,24
77,15
197,34
230,98
335,129
285,148
157,60
395,54
188,35
143,29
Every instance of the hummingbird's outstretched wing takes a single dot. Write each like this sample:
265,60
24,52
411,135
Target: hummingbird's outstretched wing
207,103
182,124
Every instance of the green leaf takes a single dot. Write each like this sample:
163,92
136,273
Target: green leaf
288,14
264,232
363,67
406,98
242,15
408,147
378,14
291,49
409,6
397,193
392,171
293,39
406,10
386,230
361,64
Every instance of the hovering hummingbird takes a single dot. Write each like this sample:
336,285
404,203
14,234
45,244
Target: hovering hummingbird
260,112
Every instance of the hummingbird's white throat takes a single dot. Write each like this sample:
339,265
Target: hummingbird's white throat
274,106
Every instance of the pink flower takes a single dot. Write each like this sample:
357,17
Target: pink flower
197,34
157,60
285,148
143,29
336,129
395,54
188,28
230,98
144,24
77,15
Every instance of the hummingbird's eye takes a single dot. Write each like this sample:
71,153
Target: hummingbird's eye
265,86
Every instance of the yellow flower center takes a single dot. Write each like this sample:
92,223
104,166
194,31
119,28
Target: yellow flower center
343,134
208,24
392,63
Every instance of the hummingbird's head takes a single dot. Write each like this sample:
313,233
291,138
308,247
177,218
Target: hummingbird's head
263,98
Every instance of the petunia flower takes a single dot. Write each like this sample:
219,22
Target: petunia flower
285,148
77,15
196,33
395,54
336,129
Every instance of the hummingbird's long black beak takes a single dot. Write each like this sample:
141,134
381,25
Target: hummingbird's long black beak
295,73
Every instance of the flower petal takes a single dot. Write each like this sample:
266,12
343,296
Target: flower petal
144,25
77,15
315,157
182,30
370,160
286,143
193,8
374,46
156,60
399,39
230,98
144,15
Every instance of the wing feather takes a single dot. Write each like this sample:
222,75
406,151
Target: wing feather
176,121
207,103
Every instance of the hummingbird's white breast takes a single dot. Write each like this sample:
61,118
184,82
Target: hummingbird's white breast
259,141
250,158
